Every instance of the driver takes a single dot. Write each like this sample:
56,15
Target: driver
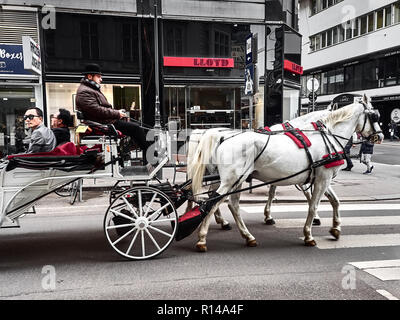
94,106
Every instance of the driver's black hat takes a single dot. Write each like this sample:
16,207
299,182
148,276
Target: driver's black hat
92,68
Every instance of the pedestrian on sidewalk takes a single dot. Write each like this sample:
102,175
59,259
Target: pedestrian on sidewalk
366,151
393,130
347,150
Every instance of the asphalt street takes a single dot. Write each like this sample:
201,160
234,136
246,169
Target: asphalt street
70,241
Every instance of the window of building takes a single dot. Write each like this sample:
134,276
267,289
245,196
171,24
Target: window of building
323,40
363,27
89,40
370,75
341,33
356,27
390,65
329,37
331,75
379,19
349,78
349,30
324,83
388,16
314,8
339,80
335,35
221,44
358,77
371,22
174,43
396,9
129,42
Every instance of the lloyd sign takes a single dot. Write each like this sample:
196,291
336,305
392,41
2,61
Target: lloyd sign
32,61
198,62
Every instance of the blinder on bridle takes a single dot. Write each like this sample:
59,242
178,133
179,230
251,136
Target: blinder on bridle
373,116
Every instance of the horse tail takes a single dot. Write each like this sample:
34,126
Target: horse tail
201,158
192,146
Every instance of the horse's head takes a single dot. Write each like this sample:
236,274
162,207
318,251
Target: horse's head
368,123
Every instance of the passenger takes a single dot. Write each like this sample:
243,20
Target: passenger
60,123
94,106
42,138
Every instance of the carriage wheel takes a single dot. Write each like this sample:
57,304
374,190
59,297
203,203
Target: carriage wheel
140,223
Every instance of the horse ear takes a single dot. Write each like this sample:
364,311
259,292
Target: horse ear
365,98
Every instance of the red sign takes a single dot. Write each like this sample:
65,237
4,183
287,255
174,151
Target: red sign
198,62
292,67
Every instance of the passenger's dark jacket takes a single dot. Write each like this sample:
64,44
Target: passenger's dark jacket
93,104
367,147
62,135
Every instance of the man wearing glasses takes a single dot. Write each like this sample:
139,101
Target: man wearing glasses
42,138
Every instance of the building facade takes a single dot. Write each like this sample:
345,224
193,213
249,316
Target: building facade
352,46
201,51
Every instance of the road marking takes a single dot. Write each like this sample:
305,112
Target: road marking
358,241
345,221
343,207
376,264
387,294
384,270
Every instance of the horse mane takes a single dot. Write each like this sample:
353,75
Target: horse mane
337,116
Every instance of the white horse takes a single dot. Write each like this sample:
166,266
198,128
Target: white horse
219,133
276,157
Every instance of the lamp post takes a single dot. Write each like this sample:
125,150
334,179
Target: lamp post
157,120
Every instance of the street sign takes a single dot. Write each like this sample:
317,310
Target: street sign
395,115
313,84
249,53
312,96
249,76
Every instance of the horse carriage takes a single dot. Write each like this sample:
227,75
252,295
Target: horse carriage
142,220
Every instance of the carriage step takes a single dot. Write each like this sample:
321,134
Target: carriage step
9,223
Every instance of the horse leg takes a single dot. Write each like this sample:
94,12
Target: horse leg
201,244
220,220
334,200
319,189
317,219
267,210
234,207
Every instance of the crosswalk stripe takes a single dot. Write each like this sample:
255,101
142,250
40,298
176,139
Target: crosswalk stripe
382,269
387,295
346,221
324,207
358,241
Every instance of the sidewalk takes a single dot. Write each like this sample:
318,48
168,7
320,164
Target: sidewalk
382,184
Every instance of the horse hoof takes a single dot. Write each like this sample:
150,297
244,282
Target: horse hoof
201,247
335,233
226,227
270,222
252,243
310,243
316,222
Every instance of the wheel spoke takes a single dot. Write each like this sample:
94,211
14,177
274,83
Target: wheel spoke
130,207
149,206
161,220
143,247
152,239
124,236
120,226
122,215
132,242
140,203
158,210
161,231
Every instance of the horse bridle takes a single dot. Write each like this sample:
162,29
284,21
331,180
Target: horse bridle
373,116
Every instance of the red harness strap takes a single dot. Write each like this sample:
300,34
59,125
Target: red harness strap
333,163
266,128
296,140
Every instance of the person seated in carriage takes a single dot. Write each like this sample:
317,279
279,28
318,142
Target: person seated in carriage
60,123
95,107
42,139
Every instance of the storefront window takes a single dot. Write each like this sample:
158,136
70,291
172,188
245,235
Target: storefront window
211,107
13,104
120,96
